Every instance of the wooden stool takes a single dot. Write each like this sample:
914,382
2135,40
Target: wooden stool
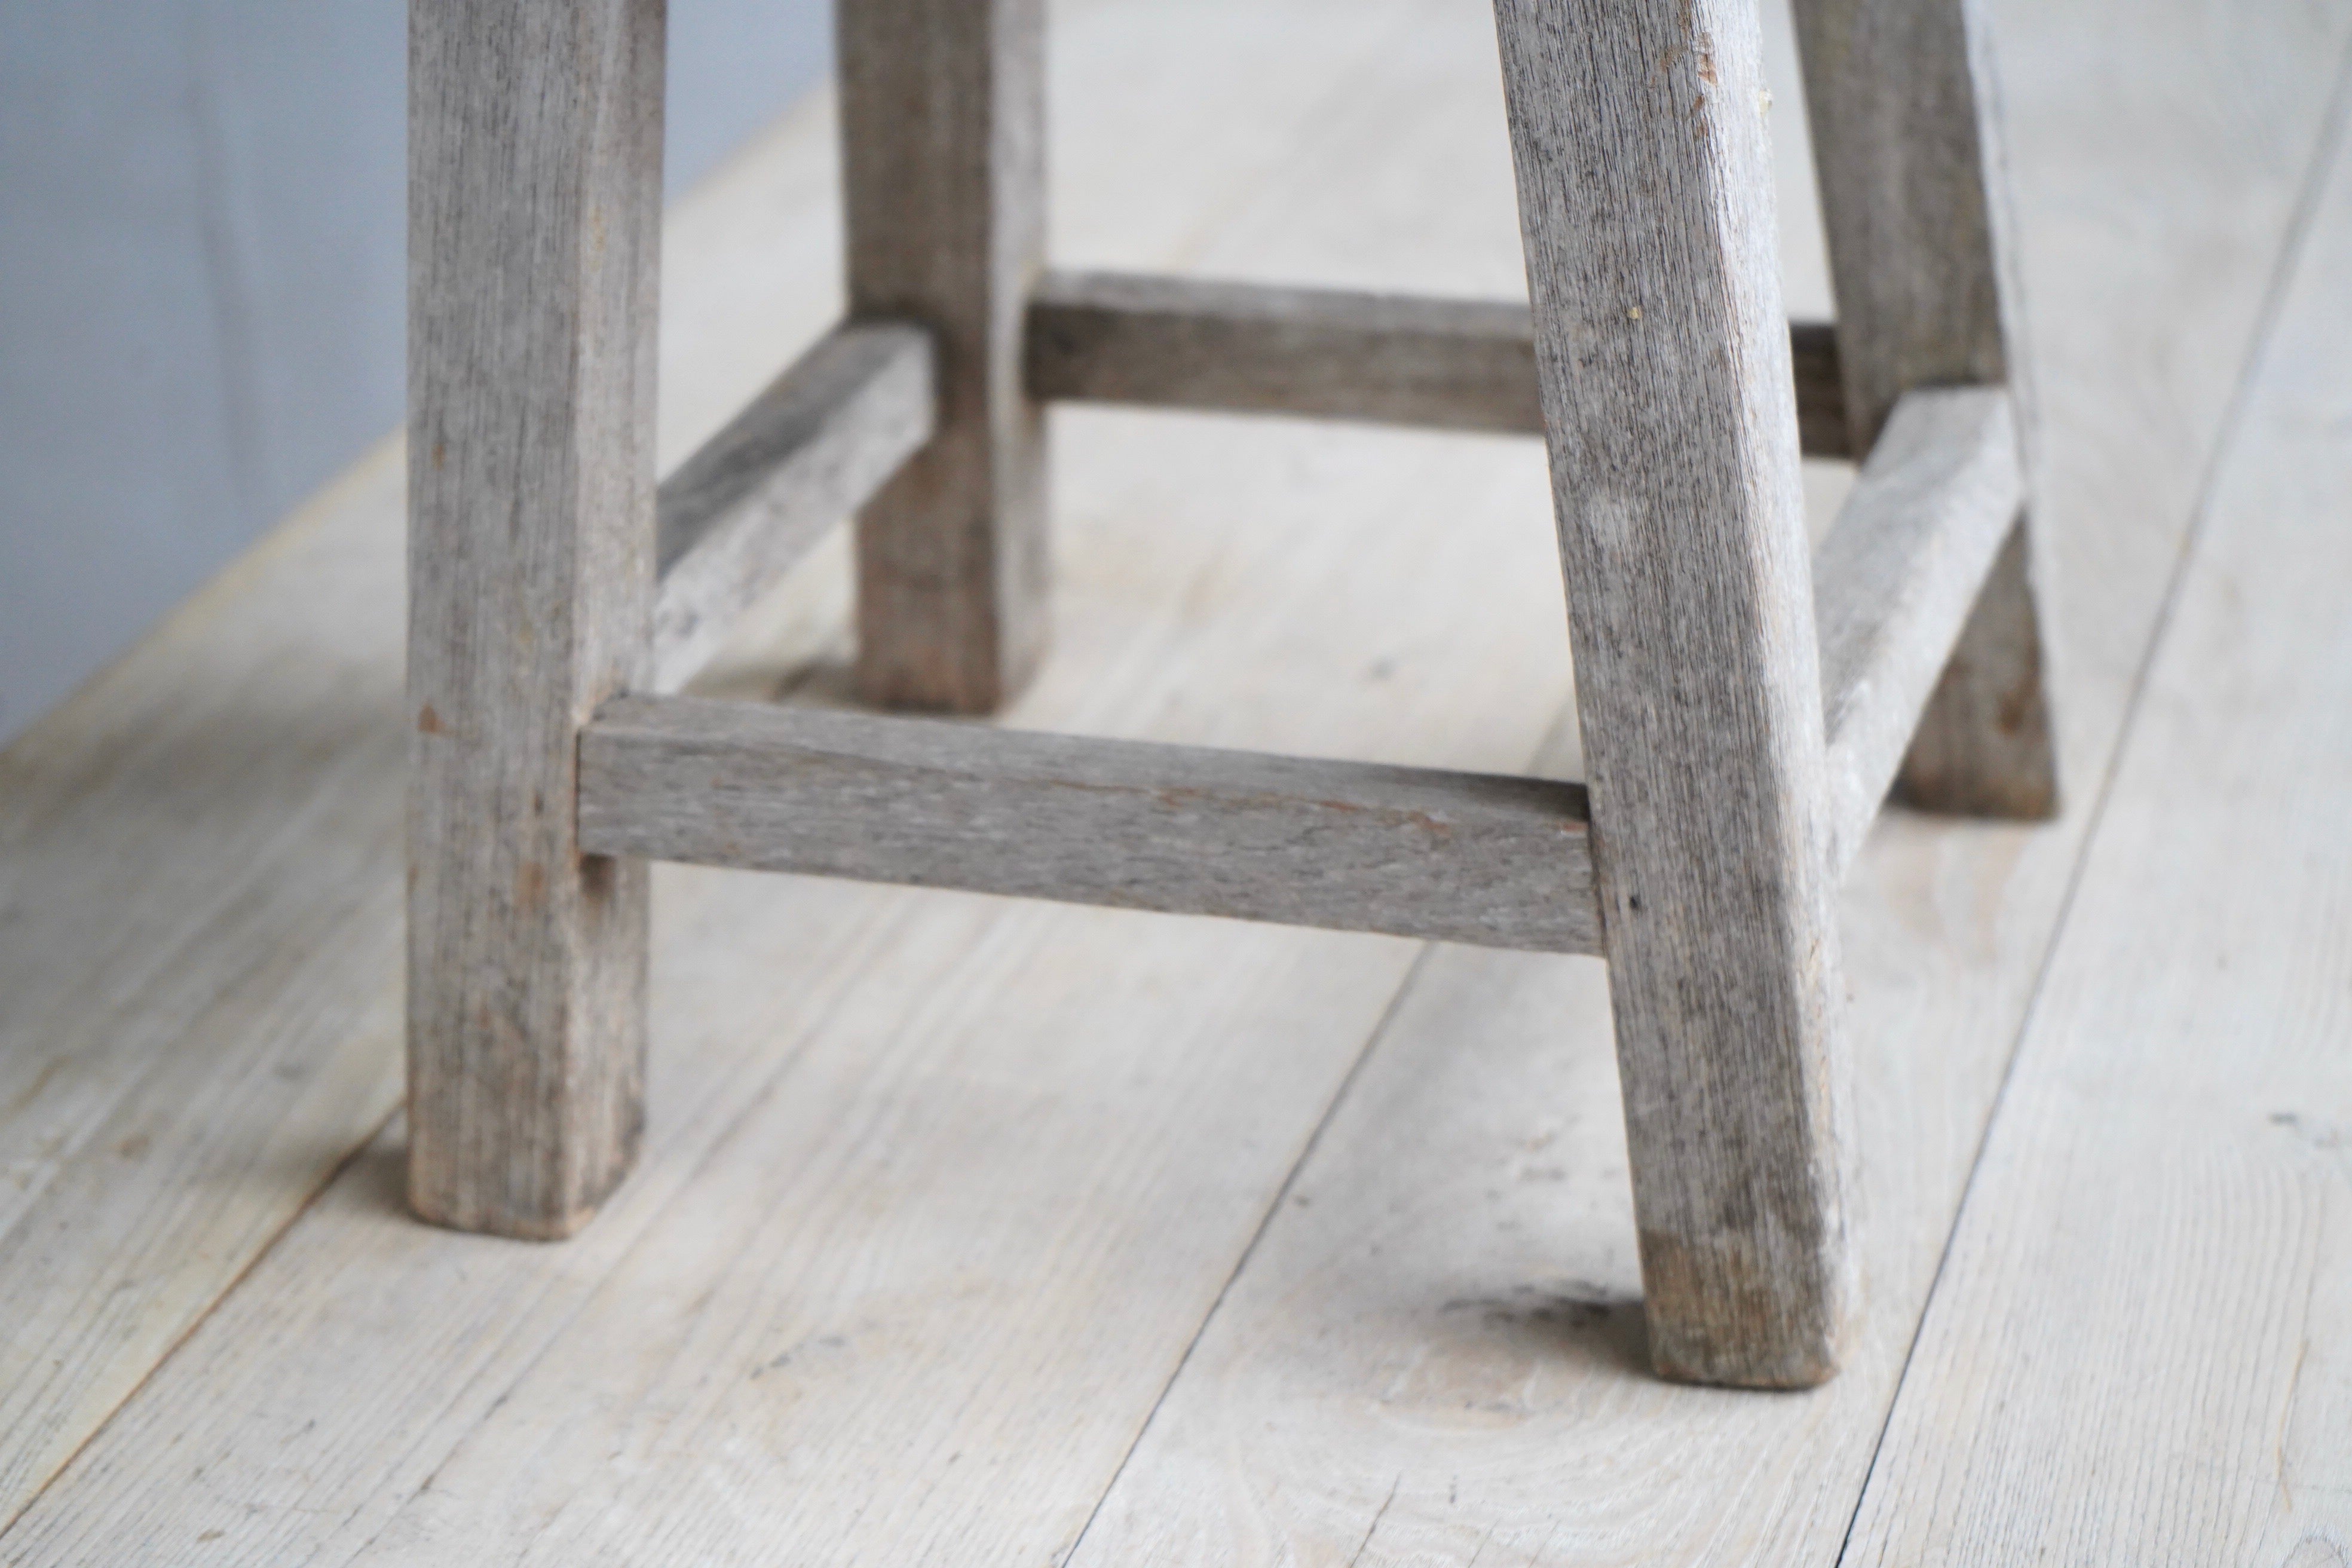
1744,709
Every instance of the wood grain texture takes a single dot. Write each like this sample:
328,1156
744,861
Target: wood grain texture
201,862
1907,143
1334,353
1467,364
534,222
1449,857
1900,154
204,1022
1985,745
1096,1104
806,453
2148,1304
942,127
1398,359
1011,1165
1434,1353
1894,582
1646,199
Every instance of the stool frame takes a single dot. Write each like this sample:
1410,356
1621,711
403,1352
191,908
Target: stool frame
1746,702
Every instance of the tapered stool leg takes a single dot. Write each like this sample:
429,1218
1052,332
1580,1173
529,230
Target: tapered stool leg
535,208
1646,202
1908,158
943,154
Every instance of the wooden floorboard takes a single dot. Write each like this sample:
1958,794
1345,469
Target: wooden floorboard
1253,608
2140,1346
938,1190
1433,1354
200,874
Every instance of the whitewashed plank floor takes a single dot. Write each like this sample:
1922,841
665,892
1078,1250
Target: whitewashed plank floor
981,1232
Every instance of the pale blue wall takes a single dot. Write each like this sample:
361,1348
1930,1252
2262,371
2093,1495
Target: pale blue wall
201,222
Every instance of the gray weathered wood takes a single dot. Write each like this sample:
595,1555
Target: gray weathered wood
1987,744
534,222
1906,142
1193,343
1464,365
806,453
1894,581
1492,859
1647,207
943,124
205,920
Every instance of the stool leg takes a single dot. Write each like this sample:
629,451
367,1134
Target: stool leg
942,127
534,215
1646,202
1907,152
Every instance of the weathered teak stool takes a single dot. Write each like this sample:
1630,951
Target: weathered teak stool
1744,709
